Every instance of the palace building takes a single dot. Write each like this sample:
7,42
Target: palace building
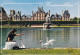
3,14
65,16
15,16
26,17
56,17
39,15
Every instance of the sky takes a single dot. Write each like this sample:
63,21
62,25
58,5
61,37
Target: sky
55,6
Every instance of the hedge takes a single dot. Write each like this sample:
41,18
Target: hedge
36,22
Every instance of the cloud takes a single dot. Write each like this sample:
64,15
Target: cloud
66,4
22,3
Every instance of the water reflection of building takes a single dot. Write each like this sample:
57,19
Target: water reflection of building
3,14
15,16
40,34
37,34
39,15
66,34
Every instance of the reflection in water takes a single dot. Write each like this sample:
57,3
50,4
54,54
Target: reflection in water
65,37
65,34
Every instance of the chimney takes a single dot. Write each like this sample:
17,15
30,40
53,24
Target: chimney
49,12
20,12
38,7
11,11
32,12
42,7
62,12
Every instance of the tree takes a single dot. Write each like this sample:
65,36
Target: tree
75,18
29,24
25,24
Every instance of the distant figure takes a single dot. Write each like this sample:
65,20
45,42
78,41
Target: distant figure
47,27
11,35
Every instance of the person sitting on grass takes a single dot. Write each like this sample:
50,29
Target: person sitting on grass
12,34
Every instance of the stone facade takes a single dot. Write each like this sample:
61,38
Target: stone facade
15,16
39,15
0,16
65,16
56,17
3,14
26,17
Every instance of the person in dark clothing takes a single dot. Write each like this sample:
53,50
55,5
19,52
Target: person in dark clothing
12,34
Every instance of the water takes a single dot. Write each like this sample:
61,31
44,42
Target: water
65,37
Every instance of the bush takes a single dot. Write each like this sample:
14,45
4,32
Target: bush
25,24
29,24
58,24
36,22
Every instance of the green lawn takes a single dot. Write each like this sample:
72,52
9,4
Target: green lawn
43,51
37,26
11,26
66,26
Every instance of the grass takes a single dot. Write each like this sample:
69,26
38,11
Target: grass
43,51
11,26
38,26
66,26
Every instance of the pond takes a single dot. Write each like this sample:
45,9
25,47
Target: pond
64,37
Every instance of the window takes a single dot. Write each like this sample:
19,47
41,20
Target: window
38,14
41,14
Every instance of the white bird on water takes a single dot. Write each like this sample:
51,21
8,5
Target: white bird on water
48,43
22,45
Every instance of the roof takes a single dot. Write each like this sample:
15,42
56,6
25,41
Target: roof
2,10
66,13
40,10
56,15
